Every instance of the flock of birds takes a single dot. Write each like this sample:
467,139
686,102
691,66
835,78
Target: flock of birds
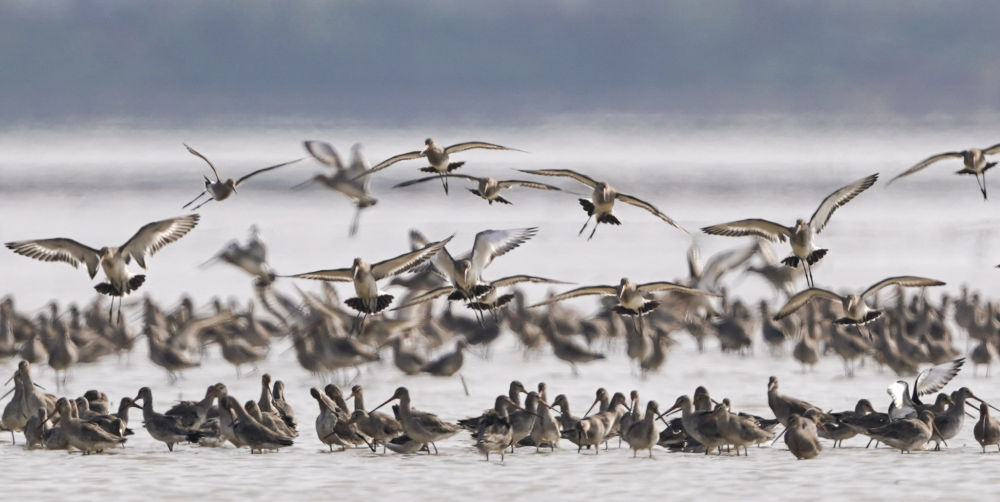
329,339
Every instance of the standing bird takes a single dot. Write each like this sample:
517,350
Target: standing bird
987,429
906,404
420,426
221,190
438,157
801,437
856,312
799,236
113,260
907,434
973,160
631,296
602,201
365,275
488,188
642,435
496,433
351,180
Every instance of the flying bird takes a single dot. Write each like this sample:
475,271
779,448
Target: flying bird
602,201
973,160
439,157
221,190
488,189
350,180
113,260
800,236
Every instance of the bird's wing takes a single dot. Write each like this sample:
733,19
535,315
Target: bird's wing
935,378
754,226
64,250
582,178
992,150
323,152
694,261
417,239
392,160
584,291
153,236
470,145
803,297
202,157
244,178
838,198
629,199
333,274
442,263
526,184
406,261
651,287
516,279
725,261
924,163
425,297
907,281
897,391
436,176
490,244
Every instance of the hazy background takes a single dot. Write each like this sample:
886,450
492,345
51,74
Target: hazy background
404,63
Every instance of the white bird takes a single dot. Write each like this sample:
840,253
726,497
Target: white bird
602,200
488,189
973,159
221,190
799,236
350,180
113,260
365,275
632,299
904,403
439,157
465,273
856,312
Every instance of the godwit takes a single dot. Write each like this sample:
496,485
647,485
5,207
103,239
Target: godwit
642,435
84,436
987,429
973,160
907,434
146,242
251,258
800,437
514,392
350,180
856,311
365,275
784,406
490,300
345,429
34,430
488,188
251,433
420,426
378,426
905,404
700,425
497,433
799,236
739,431
192,414
25,402
165,428
326,421
281,405
98,401
602,201
546,430
631,297
221,190
438,157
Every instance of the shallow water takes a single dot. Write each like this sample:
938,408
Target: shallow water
99,186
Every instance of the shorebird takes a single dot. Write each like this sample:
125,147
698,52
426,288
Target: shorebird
251,433
906,404
85,436
601,205
856,311
739,431
699,425
365,275
631,297
465,273
488,189
378,426
784,406
800,437
113,260
496,433
800,236
221,190
165,428
987,429
326,421
251,257
489,301
420,426
439,158
350,180
642,435
973,160
907,434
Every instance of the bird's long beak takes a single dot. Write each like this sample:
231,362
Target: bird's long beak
387,401
667,413
6,394
591,407
977,398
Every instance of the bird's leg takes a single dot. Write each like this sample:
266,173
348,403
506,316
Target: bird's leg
444,182
594,231
584,227
203,203
354,223
984,184
195,199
